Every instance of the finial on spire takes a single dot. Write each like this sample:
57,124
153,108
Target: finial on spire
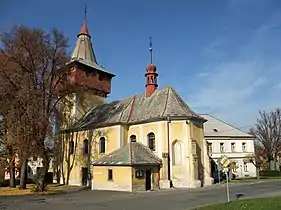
150,50
85,12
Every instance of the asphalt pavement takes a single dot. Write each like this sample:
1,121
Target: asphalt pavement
172,199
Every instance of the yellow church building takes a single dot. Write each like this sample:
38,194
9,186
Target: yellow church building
146,141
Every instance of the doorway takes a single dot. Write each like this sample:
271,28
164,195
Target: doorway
148,180
84,176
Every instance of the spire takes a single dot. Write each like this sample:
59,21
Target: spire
151,74
84,29
83,51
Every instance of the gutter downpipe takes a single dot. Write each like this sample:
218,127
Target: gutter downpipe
169,157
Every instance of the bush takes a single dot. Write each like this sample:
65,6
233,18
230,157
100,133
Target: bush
270,173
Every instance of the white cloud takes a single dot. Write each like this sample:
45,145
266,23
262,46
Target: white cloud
237,88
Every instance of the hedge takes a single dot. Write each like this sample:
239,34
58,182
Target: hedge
270,173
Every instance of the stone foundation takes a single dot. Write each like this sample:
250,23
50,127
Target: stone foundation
208,181
187,183
164,184
111,186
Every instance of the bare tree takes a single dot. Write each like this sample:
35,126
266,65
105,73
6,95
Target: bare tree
268,133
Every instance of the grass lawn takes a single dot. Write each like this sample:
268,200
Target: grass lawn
51,189
271,203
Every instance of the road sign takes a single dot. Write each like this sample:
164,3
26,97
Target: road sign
225,161
225,170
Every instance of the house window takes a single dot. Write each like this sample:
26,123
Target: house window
110,175
245,167
221,147
244,147
232,147
86,147
71,147
209,148
151,141
133,138
102,145
177,153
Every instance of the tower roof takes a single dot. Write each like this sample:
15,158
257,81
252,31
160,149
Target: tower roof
83,51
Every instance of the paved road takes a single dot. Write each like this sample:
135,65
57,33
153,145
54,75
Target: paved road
165,200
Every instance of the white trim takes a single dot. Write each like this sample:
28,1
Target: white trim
170,148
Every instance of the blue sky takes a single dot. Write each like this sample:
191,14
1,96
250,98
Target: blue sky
222,56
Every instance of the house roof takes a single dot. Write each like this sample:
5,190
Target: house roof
218,128
133,153
163,103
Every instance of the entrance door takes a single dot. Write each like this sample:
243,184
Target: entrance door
148,180
84,176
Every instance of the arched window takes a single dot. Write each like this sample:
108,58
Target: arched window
151,141
177,153
133,138
85,147
102,145
71,147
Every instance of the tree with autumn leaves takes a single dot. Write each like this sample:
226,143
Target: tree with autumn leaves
34,85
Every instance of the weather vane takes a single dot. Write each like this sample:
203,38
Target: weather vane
85,11
150,48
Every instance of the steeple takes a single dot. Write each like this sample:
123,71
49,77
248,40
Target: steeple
83,51
151,74
85,70
84,29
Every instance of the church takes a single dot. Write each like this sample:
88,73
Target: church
148,141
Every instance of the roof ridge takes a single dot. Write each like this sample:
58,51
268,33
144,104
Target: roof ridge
132,108
166,101
177,99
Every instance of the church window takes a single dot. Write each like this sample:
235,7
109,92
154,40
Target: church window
177,153
133,138
86,147
71,147
102,145
151,141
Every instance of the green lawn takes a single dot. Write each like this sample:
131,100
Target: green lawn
271,203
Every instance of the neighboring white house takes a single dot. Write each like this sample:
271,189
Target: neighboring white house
226,140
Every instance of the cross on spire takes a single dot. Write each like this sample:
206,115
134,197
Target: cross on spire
85,12
150,50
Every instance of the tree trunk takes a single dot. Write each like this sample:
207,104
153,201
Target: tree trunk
258,172
12,173
43,173
23,175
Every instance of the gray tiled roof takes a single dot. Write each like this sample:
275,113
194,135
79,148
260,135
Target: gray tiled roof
218,128
133,153
161,104
83,53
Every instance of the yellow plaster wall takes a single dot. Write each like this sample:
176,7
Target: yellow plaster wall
178,132
122,175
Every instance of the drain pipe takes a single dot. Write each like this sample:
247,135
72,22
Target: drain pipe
169,157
